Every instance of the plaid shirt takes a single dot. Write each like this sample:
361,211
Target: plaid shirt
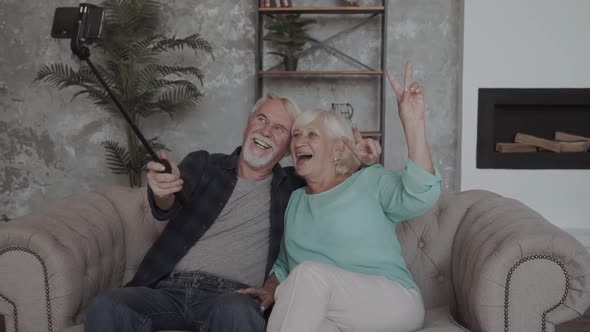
209,180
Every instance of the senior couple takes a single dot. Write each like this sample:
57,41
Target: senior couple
312,247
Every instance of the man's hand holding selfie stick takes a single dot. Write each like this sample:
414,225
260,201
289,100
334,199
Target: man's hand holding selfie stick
164,184
84,25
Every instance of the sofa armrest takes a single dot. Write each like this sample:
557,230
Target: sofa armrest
53,260
515,271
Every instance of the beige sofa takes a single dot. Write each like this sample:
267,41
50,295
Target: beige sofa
483,262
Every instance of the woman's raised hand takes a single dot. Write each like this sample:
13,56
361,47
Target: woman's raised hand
410,98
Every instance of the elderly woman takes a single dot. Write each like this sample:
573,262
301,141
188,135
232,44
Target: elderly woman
340,267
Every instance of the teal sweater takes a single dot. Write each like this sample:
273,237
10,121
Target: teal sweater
350,225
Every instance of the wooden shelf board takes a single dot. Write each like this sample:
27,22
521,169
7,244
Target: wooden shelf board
371,134
319,72
323,10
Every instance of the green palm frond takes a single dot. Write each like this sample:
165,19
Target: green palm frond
180,95
288,32
153,77
194,42
101,99
106,75
138,51
178,100
131,16
117,157
179,71
157,84
146,104
61,75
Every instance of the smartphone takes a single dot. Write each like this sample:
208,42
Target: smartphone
65,19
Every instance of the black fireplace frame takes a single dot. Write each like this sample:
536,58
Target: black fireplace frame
491,99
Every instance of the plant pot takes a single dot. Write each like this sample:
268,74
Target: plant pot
290,63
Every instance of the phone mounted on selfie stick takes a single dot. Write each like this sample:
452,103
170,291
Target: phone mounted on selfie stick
84,25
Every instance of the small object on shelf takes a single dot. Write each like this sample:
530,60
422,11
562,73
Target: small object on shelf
352,2
270,3
345,109
261,3
288,33
286,3
290,62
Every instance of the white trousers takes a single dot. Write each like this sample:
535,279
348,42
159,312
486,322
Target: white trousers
318,297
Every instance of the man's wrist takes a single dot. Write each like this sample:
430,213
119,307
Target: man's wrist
164,203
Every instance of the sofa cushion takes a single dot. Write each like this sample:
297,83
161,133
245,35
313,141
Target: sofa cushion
439,319
427,242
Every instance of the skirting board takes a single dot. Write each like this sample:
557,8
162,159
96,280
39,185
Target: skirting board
581,234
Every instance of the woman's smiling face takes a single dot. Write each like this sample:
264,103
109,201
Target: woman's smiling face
312,149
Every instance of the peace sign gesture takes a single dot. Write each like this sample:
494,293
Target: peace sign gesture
410,104
367,150
410,98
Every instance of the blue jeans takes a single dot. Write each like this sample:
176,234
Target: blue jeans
189,302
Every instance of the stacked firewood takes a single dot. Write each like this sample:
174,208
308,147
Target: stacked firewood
562,142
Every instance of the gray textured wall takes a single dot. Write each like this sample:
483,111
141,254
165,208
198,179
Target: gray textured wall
50,146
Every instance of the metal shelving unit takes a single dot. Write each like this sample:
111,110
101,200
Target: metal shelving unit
366,71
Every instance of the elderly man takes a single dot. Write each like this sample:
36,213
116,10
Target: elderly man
225,238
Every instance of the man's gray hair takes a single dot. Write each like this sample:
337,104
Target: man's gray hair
289,104
337,126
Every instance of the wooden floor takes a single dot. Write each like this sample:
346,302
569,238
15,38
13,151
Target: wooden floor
581,324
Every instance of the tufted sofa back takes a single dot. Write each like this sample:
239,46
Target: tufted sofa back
140,229
427,244
426,241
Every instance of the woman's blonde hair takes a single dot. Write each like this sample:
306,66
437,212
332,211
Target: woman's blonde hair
336,126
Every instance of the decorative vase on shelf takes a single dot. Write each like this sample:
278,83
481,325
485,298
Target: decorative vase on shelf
270,3
289,36
352,2
290,63
345,109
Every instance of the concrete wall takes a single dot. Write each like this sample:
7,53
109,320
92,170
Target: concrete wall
50,146
535,44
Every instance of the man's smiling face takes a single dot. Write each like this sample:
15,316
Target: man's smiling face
266,137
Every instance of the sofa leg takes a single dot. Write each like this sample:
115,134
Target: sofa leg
2,324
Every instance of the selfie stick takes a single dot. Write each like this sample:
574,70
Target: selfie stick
82,52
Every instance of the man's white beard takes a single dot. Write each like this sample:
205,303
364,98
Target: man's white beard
254,160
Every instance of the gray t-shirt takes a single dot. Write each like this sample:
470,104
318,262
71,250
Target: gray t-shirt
236,245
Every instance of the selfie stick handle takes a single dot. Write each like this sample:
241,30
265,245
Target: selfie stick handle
80,50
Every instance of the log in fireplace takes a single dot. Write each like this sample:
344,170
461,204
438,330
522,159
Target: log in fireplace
533,128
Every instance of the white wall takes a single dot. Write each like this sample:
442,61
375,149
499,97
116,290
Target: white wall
526,44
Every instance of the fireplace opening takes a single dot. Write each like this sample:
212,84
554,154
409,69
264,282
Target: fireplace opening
533,129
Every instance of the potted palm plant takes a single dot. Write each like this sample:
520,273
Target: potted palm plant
288,33
130,62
